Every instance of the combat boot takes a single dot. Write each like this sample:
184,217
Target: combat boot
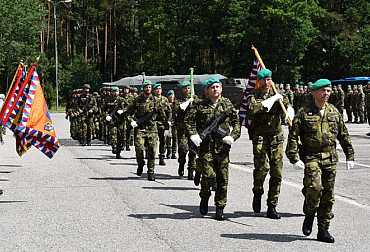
151,177
88,142
197,179
203,208
139,170
161,161
118,155
272,214
128,147
168,155
83,143
324,236
307,225
114,151
190,174
368,134
181,170
1,191
220,214
174,155
257,203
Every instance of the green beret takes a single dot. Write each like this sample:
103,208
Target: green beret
114,89
126,86
157,85
354,85
287,85
348,86
276,84
297,85
185,84
310,83
141,89
209,82
360,85
146,83
301,86
170,92
264,73
86,86
282,84
368,83
339,85
321,83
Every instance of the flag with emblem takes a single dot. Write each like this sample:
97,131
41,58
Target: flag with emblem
244,115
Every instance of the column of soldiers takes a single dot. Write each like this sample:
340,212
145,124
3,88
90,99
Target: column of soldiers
356,104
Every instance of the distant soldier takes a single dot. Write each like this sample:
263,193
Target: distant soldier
268,139
317,126
171,140
163,128
133,91
368,105
115,120
296,97
214,154
146,113
348,103
86,108
340,99
355,104
128,98
360,104
289,93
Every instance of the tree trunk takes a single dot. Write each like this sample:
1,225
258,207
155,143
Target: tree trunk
115,44
105,44
86,38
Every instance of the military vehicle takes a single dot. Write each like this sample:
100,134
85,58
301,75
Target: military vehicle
232,88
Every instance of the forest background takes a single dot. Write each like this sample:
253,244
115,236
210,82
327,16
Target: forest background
103,41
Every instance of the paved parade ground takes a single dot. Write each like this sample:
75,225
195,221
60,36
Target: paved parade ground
86,200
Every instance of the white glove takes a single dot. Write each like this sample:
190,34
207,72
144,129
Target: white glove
120,111
169,124
108,118
270,101
299,165
133,124
166,133
196,140
228,139
289,114
350,164
184,105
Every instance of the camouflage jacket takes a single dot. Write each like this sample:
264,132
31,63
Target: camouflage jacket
348,99
354,97
265,123
112,107
163,103
360,98
181,114
202,113
340,98
140,107
318,135
86,103
290,96
368,100
128,99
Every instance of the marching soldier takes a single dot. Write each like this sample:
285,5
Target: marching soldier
86,107
214,154
128,98
318,125
354,104
146,112
348,103
360,103
340,99
368,105
267,141
163,132
171,140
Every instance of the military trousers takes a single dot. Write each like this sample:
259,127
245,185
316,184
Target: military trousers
368,114
171,141
214,165
349,113
183,149
145,141
162,142
117,135
268,158
318,184
87,124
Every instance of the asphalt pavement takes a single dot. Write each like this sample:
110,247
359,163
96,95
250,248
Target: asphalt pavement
84,199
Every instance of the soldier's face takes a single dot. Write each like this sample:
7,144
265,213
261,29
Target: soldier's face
322,94
115,93
158,91
126,90
186,91
134,93
86,90
147,90
171,97
265,84
214,91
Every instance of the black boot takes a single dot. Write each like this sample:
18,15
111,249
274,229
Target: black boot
214,185
168,155
257,203
220,214
173,156
272,214
368,134
88,142
139,170
324,236
128,147
83,143
307,225
1,191
190,174
151,177
118,155
161,161
197,179
114,151
181,170
203,208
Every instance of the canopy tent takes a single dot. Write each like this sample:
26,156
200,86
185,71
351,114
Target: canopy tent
138,79
352,79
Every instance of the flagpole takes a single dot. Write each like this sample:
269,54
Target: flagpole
273,86
192,81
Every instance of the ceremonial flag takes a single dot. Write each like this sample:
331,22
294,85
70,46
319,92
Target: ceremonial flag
244,115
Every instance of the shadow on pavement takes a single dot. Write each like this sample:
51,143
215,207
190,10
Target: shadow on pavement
11,201
10,165
267,237
192,212
5,172
4,179
262,214
117,178
169,188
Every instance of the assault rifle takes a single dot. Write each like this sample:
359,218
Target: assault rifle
115,109
213,126
86,106
146,119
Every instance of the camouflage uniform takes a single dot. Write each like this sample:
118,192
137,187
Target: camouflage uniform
340,101
163,103
354,104
267,141
368,105
146,133
348,104
214,155
360,104
116,125
171,140
127,100
318,134
84,104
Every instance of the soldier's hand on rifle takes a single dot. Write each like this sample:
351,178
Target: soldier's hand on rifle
90,111
196,140
350,164
166,133
80,111
169,123
268,103
228,139
298,165
133,124
289,114
120,111
108,118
